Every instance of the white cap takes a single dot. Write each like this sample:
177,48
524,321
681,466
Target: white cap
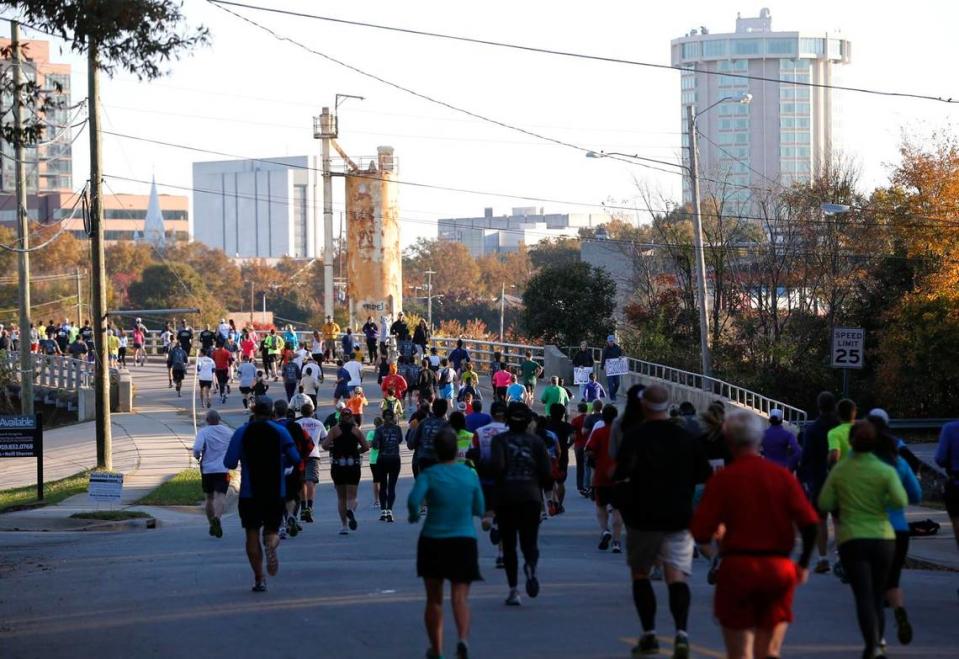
880,413
776,414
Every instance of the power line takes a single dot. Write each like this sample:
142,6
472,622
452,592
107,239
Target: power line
564,53
442,103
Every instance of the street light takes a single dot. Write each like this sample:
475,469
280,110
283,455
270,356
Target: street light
692,169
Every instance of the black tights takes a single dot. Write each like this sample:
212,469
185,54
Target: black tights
645,601
521,520
867,564
389,474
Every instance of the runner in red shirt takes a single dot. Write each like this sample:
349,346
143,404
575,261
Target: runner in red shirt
597,450
247,347
579,445
395,382
222,359
754,507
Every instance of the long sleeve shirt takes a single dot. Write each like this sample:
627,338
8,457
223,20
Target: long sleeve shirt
947,453
780,446
862,488
897,516
453,495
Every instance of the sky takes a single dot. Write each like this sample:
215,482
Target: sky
250,95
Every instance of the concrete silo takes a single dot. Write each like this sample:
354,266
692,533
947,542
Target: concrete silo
374,260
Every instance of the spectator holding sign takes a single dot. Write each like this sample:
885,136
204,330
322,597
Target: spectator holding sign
582,367
611,351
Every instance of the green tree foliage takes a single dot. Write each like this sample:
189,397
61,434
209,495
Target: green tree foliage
169,285
569,302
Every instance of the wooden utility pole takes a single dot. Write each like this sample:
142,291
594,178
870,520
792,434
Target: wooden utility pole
79,299
23,238
101,378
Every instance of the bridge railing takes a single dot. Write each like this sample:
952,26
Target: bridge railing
54,371
719,388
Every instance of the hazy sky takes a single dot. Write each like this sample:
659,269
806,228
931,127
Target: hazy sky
251,95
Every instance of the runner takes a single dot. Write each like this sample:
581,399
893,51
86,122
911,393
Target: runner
384,336
222,360
382,369
554,395
516,392
860,487
291,378
356,404
316,350
779,444
176,361
374,458
482,457
264,449
296,473
317,432
447,550
121,348
663,465
522,470
355,369
394,381
531,370
759,506
113,347
477,418
839,446
426,382
564,434
392,403
247,376
207,339
139,343
446,380
387,440
210,447
184,337
300,398
464,438
458,356
814,467
349,345
342,388
205,369
345,443
469,382
593,390
887,450
502,378
247,346
597,450
420,439
947,457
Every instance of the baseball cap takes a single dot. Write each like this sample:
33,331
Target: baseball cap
880,413
340,405
518,412
263,405
776,414
611,337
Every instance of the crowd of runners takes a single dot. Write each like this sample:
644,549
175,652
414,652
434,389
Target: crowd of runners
669,485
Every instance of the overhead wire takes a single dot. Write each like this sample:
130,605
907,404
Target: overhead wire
564,53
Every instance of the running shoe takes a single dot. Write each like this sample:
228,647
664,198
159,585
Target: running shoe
513,598
343,531
171,385
647,645
532,583
282,532
259,587
351,520
216,527
681,646
462,650
617,547
499,563
383,515
543,516
212,530
822,566
604,540
494,535
272,561
903,627
840,572
389,516
292,528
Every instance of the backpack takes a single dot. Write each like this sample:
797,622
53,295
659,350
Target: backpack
923,527
446,376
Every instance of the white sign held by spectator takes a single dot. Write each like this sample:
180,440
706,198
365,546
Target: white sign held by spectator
581,374
617,366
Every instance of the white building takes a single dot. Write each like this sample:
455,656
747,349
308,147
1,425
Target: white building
258,208
786,133
499,235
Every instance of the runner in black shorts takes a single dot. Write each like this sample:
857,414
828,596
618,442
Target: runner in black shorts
345,443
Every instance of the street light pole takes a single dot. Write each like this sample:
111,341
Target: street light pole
707,361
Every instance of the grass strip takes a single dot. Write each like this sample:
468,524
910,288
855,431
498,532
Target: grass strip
21,498
181,490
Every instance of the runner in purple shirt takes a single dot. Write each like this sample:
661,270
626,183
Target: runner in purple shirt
780,445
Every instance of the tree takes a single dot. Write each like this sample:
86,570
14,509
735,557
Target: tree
554,250
569,302
170,285
455,267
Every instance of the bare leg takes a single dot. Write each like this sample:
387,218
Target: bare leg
351,497
560,493
769,642
895,598
254,552
341,504
459,594
617,525
219,503
433,615
210,512
602,516
739,643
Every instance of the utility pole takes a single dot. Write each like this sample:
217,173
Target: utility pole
698,245
502,312
104,432
23,256
324,128
251,304
429,297
79,299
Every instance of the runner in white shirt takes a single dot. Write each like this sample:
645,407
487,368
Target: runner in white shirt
354,368
299,399
310,378
246,372
205,368
212,442
317,431
301,355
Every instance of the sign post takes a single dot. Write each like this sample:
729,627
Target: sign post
848,347
22,437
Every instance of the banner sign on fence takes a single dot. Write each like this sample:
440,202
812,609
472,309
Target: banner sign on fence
617,366
105,486
581,374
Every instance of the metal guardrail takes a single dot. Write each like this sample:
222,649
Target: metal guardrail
54,371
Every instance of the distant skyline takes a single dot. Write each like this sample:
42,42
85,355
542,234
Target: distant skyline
250,95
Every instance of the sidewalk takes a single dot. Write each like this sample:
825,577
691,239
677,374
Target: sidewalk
940,549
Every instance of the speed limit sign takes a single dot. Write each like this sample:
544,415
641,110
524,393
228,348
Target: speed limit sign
847,347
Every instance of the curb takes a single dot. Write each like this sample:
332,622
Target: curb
44,526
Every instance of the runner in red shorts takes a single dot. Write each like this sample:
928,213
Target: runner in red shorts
754,507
